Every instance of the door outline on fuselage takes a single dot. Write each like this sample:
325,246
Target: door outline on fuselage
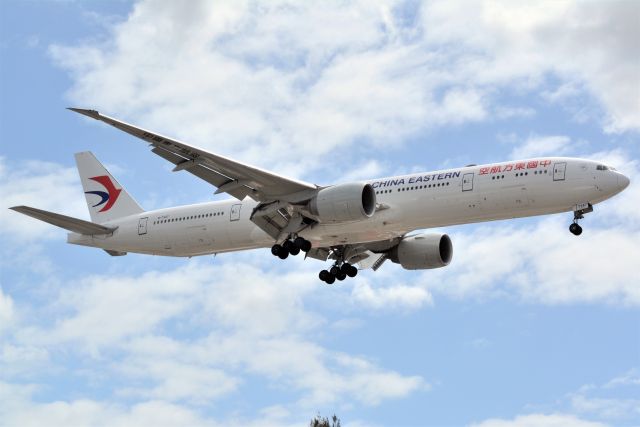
559,170
467,182
142,226
234,212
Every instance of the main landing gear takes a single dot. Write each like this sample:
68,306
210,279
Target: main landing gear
578,214
291,247
339,272
340,269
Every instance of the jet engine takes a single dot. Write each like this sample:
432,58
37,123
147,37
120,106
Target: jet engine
344,202
423,251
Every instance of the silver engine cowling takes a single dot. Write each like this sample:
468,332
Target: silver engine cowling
423,251
344,202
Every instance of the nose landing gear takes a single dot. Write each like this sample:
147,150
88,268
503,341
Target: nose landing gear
578,213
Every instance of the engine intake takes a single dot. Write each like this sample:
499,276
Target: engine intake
344,202
423,251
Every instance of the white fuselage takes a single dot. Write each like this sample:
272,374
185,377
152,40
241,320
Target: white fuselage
405,203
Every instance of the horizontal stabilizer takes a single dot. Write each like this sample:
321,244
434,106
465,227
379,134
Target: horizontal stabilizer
63,221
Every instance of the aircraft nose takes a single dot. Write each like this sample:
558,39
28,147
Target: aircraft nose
623,182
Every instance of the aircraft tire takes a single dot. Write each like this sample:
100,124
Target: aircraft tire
352,272
283,253
575,229
299,242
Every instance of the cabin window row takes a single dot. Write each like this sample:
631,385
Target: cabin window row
187,218
418,187
534,172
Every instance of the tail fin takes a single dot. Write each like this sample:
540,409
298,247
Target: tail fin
106,199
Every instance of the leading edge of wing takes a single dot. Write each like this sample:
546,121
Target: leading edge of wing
269,183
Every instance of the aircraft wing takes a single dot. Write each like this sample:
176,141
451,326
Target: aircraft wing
229,176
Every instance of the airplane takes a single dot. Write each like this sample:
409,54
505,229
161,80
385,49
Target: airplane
360,223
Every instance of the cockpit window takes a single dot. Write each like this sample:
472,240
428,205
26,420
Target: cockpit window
601,167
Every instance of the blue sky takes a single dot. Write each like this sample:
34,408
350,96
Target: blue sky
528,325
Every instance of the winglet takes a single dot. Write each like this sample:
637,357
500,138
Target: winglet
85,112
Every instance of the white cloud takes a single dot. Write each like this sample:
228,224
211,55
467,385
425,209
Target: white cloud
288,85
606,408
175,380
629,378
539,420
6,312
19,409
364,171
615,400
397,296
142,304
583,44
249,324
538,264
22,360
537,146
42,185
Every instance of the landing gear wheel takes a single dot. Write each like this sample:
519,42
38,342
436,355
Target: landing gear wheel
283,253
287,244
352,272
324,275
341,276
575,229
330,280
275,250
345,267
334,270
294,250
302,243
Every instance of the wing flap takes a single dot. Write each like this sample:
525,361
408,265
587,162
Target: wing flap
212,177
68,223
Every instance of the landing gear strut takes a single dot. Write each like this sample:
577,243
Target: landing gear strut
578,214
291,247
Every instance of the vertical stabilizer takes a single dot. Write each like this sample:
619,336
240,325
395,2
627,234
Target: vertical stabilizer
106,198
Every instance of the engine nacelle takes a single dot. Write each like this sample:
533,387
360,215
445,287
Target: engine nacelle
344,202
423,251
